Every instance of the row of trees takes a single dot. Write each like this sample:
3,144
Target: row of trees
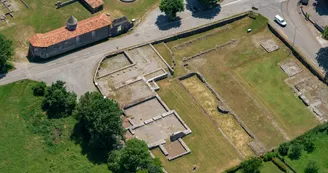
172,7
99,126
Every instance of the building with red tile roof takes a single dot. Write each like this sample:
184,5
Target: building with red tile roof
75,35
64,33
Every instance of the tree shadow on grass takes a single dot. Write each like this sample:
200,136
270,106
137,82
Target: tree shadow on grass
164,23
322,59
94,154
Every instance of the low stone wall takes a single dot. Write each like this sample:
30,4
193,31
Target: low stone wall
210,50
187,43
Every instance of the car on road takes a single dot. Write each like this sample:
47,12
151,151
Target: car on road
280,20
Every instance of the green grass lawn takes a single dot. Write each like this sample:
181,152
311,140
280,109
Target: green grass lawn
23,149
269,167
266,79
319,155
210,151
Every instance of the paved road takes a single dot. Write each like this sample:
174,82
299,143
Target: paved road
77,68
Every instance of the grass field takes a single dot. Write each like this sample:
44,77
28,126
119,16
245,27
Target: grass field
23,149
210,152
319,155
249,80
42,16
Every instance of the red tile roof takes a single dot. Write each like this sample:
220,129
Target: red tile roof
62,34
94,3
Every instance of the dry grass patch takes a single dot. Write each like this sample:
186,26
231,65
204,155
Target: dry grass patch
226,122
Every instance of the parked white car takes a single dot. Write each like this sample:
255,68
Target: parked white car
280,20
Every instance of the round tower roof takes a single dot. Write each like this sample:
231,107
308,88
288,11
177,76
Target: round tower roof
71,20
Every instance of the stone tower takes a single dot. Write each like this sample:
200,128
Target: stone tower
71,23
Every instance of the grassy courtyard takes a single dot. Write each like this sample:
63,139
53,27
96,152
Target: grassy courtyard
266,79
247,78
24,148
42,16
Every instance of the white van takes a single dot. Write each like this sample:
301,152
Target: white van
280,20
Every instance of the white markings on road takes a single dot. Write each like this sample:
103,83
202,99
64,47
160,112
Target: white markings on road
230,3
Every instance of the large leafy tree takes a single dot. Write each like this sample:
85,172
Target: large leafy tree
171,7
252,165
6,52
295,151
283,149
134,157
100,118
58,102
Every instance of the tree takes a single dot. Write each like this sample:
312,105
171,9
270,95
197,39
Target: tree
100,117
171,7
252,165
325,33
311,167
6,52
39,89
309,145
268,156
295,151
283,149
134,157
58,102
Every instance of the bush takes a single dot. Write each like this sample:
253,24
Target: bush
269,156
325,33
252,165
39,89
283,149
279,164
